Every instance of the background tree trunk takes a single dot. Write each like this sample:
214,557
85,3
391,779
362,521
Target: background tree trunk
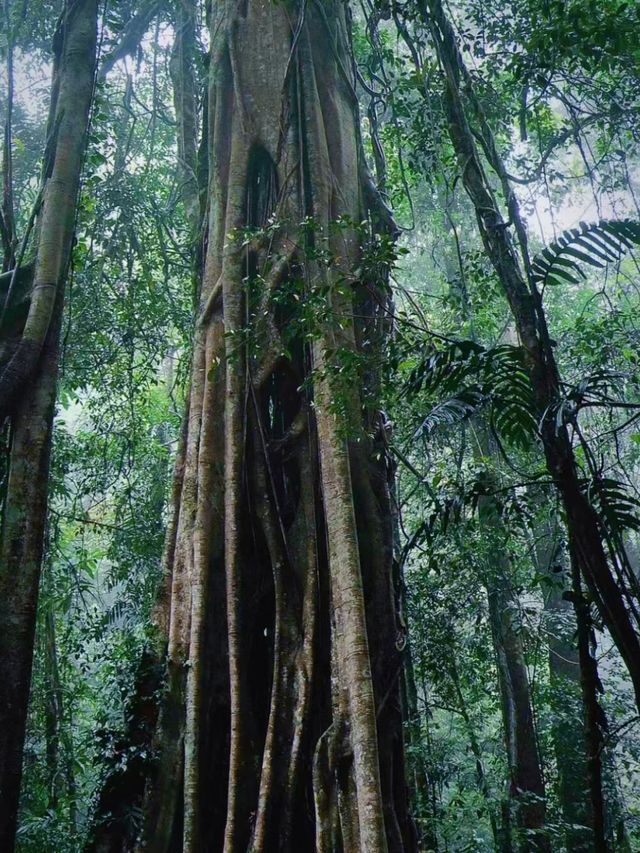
527,795
53,712
526,781
583,522
566,697
423,797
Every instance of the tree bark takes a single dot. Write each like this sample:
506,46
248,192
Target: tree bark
566,697
27,394
527,789
593,716
185,99
53,711
282,658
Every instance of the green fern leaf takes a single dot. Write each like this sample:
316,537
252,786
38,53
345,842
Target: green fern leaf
594,244
616,507
451,411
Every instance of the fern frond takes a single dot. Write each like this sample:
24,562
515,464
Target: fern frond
472,377
617,508
444,368
452,411
594,244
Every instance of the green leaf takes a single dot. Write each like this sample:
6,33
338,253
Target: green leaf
594,245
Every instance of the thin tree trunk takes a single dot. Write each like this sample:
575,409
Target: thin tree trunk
583,522
526,788
7,213
424,803
53,712
70,772
592,712
185,99
502,844
27,392
527,785
566,697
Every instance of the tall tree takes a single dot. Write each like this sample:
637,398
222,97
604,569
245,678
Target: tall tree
284,650
564,676
509,257
31,319
526,781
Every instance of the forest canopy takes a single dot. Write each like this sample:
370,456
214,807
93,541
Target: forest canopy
320,426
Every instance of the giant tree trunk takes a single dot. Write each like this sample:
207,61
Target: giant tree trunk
281,725
28,376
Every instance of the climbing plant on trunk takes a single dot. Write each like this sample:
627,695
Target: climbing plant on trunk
280,725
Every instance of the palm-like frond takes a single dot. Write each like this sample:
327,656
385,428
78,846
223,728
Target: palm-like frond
512,401
452,410
594,244
445,368
616,507
473,377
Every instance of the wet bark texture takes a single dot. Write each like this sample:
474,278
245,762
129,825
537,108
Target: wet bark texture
28,377
281,723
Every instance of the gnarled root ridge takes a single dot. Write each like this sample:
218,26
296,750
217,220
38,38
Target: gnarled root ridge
280,727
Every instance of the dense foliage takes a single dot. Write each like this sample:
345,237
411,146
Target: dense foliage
551,94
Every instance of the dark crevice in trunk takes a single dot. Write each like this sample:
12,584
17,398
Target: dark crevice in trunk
214,745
